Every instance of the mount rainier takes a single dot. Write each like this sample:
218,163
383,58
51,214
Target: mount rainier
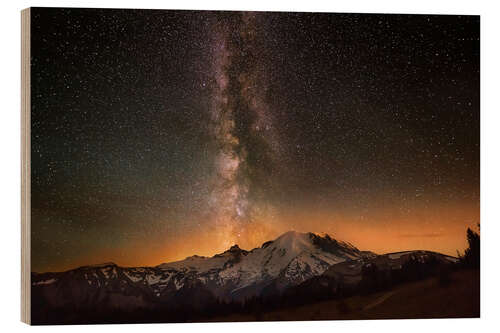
232,275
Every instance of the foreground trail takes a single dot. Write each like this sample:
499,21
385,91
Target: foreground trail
379,300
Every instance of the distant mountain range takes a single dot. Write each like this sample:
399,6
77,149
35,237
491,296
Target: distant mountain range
290,261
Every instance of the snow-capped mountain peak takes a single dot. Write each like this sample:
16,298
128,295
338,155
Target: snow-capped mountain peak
294,241
235,273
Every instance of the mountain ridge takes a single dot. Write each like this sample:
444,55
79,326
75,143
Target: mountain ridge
234,275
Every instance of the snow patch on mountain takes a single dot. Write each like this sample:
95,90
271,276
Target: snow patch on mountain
49,281
398,255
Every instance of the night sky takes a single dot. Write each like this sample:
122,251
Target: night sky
161,134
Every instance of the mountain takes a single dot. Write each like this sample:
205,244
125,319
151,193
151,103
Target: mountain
234,274
351,272
293,260
368,275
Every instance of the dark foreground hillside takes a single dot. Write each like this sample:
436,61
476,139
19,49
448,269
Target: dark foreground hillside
456,297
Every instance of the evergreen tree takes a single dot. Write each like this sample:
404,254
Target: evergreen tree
471,257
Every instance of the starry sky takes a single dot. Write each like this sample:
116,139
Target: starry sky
161,134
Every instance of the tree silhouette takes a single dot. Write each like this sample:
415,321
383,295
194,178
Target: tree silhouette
471,257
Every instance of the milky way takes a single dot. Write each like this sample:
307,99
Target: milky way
161,134
240,118
228,199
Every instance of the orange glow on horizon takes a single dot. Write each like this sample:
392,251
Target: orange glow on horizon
440,228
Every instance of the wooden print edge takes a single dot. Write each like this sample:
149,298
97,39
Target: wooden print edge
25,167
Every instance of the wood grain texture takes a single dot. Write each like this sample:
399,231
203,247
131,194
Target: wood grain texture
25,167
